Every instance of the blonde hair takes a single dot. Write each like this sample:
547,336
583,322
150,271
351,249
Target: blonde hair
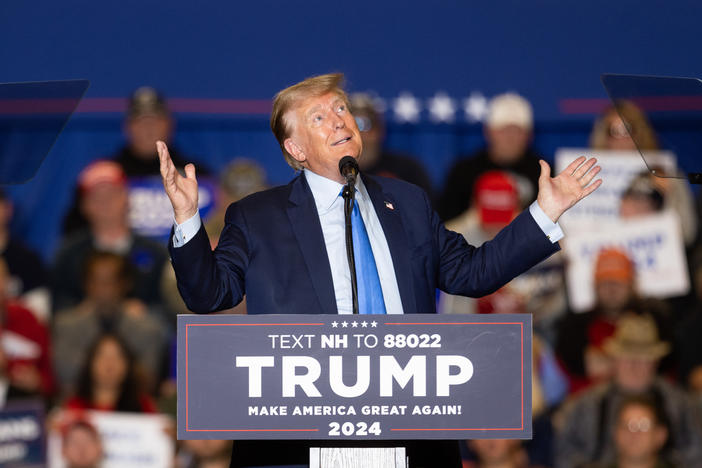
635,121
290,97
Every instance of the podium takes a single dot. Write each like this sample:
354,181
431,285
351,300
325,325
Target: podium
354,380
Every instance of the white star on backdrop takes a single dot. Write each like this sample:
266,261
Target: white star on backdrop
476,107
442,108
334,324
374,324
344,324
364,324
354,324
406,108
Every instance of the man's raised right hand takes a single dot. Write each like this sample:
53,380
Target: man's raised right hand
182,191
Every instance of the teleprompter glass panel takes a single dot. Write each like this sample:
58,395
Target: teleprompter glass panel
32,115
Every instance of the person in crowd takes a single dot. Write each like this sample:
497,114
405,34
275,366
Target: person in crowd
104,202
640,435
688,332
240,178
109,380
641,198
648,194
508,134
29,280
497,453
624,127
107,281
374,158
205,454
581,336
148,120
613,130
81,445
587,425
25,349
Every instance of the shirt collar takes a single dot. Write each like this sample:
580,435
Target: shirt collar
326,191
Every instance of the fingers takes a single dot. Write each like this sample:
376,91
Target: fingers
587,178
164,159
190,171
582,170
572,167
591,188
545,169
167,168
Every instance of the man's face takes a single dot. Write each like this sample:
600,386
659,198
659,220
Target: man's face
144,131
507,144
613,294
106,204
81,448
494,451
638,438
103,284
324,131
634,374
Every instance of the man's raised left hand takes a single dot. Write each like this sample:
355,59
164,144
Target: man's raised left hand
558,194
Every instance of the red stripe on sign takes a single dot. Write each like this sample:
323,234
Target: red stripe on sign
248,324
252,430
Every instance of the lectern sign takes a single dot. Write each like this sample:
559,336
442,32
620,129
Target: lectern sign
354,376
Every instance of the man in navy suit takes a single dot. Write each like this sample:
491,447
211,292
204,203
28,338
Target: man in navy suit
284,248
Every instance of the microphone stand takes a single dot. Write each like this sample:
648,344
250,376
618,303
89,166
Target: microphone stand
349,195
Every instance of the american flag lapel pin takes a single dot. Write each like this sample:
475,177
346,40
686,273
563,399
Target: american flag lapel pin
389,206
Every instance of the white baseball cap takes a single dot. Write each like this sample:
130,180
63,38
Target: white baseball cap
509,109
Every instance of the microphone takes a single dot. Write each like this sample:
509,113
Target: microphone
348,167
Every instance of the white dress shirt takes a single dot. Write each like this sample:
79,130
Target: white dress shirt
330,208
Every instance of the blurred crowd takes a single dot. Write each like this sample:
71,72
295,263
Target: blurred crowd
617,383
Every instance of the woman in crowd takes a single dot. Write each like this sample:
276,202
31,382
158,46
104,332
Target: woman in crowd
109,380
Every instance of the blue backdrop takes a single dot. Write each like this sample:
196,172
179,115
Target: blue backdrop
221,62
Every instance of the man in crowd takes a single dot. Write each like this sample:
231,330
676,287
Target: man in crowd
29,280
81,445
589,422
375,159
25,349
106,308
508,133
104,202
640,436
581,336
408,251
148,121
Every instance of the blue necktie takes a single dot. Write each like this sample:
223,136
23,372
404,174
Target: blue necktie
370,294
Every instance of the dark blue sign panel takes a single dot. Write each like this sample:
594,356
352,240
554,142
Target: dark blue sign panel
22,436
354,376
150,211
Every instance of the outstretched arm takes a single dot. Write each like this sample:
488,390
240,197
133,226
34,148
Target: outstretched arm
558,194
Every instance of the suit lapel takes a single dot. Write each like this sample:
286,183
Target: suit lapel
304,220
388,211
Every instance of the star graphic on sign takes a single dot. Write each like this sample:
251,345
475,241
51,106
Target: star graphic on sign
344,324
334,324
441,108
476,107
364,324
374,324
406,108
354,324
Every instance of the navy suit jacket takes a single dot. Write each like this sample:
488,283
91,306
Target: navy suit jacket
272,249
